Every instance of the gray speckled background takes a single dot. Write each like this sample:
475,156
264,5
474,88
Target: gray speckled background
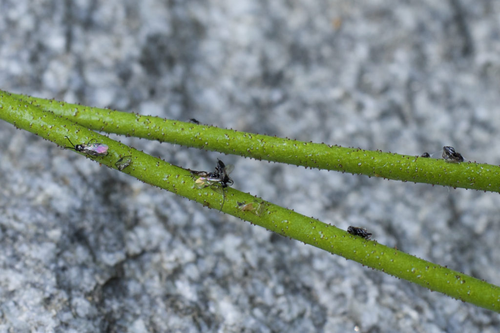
87,249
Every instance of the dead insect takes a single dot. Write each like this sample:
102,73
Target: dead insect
194,121
252,207
123,162
91,148
222,172
426,155
450,155
356,231
217,180
219,177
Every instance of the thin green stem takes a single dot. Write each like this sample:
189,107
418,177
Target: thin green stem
470,175
285,222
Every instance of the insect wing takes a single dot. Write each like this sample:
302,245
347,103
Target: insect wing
218,189
202,182
93,149
228,169
225,180
98,148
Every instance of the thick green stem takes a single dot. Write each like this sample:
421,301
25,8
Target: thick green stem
470,175
255,210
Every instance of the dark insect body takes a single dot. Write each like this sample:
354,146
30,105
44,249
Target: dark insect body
356,231
194,121
222,174
219,179
426,155
450,155
90,148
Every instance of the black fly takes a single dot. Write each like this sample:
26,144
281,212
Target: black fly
219,179
356,231
222,174
450,155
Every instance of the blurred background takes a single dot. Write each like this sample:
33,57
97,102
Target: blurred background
88,249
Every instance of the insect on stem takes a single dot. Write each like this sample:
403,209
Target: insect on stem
357,231
452,156
217,180
90,148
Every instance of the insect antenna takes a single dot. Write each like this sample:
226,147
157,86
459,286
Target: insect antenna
72,145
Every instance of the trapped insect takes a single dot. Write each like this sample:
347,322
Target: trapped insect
356,231
218,180
90,148
123,162
426,155
194,121
222,173
220,177
450,155
252,207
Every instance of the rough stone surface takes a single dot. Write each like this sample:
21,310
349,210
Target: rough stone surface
87,249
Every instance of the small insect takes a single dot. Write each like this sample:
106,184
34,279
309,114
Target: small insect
252,207
426,155
218,180
123,162
222,172
359,232
90,148
450,155
194,121
219,177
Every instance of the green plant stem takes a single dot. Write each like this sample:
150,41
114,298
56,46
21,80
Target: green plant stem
285,222
469,175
